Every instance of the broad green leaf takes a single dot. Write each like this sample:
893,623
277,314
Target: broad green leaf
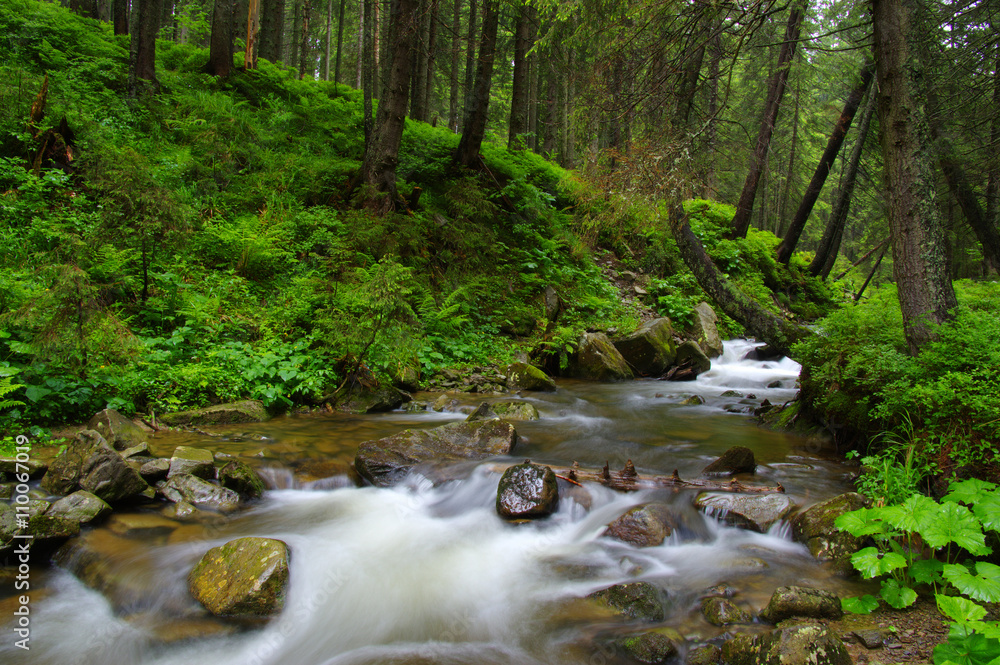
990,629
35,393
864,605
969,491
959,609
872,563
975,649
861,522
955,524
926,571
984,586
913,514
988,511
897,595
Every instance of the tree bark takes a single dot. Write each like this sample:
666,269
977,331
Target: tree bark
829,245
378,166
306,63
145,24
519,86
467,153
121,17
470,60
328,41
993,180
776,89
426,93
920,265
220,50
340,43
456,24
368,70
777,332
272,29
791,239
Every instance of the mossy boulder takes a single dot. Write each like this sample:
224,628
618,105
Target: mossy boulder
705,331
199,492
522,376
385,462
11,466
379,399
117,430
597,359
757,512
527,491
242,479
81,507
722,611
705,654
506,410
246,578
246,411
815,528
798,601
651,647
45,531
646,525
805,644
690,354
195,461
635,600
650,350
738,459
89,463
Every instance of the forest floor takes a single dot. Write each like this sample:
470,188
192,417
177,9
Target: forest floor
910,634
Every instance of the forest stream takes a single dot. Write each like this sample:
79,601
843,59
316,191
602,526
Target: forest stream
421,573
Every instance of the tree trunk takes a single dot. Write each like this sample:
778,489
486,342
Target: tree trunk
711,130
918,251
340,43
220,50
534,81
329,40
292,46
378,167
306,64
519,87
253,28
456,24
427,93
470,60
829,246
776,89
993,180
467,153
688,83
791,239
272,29
145,24
368,69
121,17
759,322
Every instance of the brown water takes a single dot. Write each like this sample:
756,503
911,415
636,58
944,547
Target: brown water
420,573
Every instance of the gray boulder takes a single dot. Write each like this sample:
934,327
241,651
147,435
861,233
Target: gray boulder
195,461
815,528
597,359
154,470
245,578
38,531
689,353
385,462
10,466
117,430
635,600
647,525
738,459
804,644
649,350
522,376
369,400
81,507
506,410
527,491
757,512
705,331
245,411
798,601
199,492
89,463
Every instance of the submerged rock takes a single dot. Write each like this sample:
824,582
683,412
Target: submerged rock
597,359
758,512
118,430
527,491
245,578
806,644
815,528
649,350
636,600
246,411
385,462
508,410
738,459
798,601
89,463
647,525
651,646
706,654
522,376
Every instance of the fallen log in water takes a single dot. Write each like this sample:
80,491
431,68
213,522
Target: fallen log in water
629,480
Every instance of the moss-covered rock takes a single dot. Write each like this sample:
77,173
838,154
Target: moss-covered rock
522,376
89,463
689,353
246,411
527,491
738,459
651,646
646,525
705,654
117,430
722,611
815,528
705,331
798,601
806,644
597,359
369,400
636,600
245,578
506,410
757,512
81,507
242,479
195,461
385,462
650,350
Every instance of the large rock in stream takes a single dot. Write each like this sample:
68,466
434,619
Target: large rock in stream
385,462
815,528
646,525
244,579
757,512
527,491
505,410
635,600
90,464
649,350
522,376
246,411
799,601
199,492
597,359
117,430
738,459
705,331
804,644
81,507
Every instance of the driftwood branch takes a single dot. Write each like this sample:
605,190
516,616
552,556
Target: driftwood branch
629,480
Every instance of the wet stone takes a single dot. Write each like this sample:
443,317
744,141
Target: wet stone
636,600
722,611
195,461
527,491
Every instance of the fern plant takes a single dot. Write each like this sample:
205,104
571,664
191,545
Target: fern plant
7,387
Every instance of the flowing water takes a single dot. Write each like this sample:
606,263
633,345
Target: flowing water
422,573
